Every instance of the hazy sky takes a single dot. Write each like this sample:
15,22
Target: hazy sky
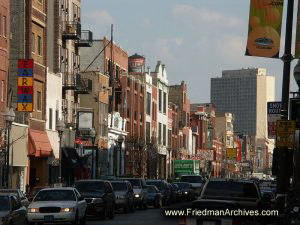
195,39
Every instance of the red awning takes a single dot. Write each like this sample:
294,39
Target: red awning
39,144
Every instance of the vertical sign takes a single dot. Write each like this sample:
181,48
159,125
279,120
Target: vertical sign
25,85
273,115
297,46
264,29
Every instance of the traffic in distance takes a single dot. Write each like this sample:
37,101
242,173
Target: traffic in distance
95,201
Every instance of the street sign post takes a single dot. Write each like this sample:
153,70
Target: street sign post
285,133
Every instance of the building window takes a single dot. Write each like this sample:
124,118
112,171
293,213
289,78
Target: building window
165,102
184,140
148,139
33,43
39,98
39,45
50,118
148,103
56,117
164,135
117,72
4,26
159,100
2,90
159,133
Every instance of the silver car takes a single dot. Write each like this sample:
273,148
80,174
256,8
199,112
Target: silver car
57,205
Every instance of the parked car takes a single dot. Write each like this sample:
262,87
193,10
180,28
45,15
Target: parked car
154,196
124,195
164,189
197,182
11,210
186,190
177,192
100,197
53,205
140,192
19,194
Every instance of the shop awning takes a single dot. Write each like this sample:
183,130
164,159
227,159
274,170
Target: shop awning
39,144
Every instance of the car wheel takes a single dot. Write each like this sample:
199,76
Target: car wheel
132,207
75,222
145,205
83,220
104,213
126,208
111,214
158,204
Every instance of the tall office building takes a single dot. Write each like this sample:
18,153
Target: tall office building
245,93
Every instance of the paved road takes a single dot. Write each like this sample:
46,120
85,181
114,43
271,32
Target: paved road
146,217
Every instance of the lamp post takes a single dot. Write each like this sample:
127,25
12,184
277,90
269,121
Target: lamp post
93,137
169,169
120,141
9,116
297,150
60,126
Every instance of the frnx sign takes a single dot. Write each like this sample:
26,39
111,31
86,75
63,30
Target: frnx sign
25,85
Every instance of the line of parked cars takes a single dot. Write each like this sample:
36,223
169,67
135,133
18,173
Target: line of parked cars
98,198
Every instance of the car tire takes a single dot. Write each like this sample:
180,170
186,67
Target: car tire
158,204
126,208
75,222
103,214
132,207
145,205
83,220
111,214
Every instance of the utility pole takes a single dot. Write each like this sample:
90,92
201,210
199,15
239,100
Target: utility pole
112,77
283,176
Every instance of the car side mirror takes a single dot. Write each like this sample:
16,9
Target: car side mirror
80,198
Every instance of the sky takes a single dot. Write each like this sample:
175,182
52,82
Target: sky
195,39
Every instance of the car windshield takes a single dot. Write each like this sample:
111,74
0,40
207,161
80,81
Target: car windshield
119,186
183,185
192,179
4,206
152,189
90,186
135,183
158,184
55,195
230,189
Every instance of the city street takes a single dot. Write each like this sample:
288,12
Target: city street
145,217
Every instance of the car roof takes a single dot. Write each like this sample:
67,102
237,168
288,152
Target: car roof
231,180
9,190
59,189
156,180
119,181
132,178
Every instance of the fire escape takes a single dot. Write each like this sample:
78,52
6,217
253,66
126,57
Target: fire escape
72,79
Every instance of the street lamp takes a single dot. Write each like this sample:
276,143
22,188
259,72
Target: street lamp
60,127
93,137
9,116
120,141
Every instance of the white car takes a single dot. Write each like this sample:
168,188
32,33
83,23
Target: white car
57,205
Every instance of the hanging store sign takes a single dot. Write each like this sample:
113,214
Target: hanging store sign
264,30
25,85
285,133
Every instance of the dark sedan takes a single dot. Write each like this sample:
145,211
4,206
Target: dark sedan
11,210
177,193
154,196
186,190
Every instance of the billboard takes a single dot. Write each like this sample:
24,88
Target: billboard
264,30
285,133
273,109
25,85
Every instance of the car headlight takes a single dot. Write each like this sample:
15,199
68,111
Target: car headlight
33,210
97,200
122,197
67,209
185,192
137,195
296,209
